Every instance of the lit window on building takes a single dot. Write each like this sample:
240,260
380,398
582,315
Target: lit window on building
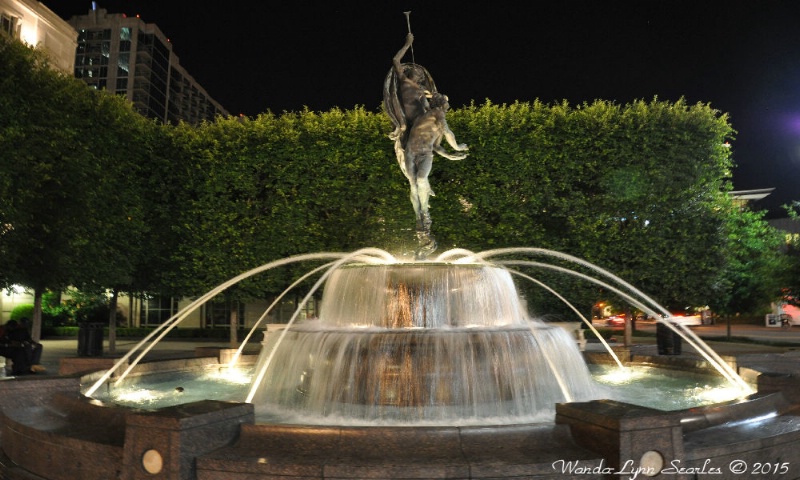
8,24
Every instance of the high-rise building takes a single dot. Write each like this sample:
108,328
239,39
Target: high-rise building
38,26
127,56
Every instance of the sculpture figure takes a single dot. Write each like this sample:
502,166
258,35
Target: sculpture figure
418,111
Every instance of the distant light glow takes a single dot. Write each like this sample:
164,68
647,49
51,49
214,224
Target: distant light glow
791,123
29,34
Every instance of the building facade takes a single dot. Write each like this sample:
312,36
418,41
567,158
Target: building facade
129,57
38,26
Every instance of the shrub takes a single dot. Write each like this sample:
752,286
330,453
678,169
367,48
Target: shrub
22,312
51,317
55,313
90,307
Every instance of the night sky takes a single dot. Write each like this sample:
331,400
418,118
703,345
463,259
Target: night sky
741,57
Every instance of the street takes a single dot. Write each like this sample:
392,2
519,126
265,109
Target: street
758,333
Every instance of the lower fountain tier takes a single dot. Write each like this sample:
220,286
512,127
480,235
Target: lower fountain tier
412,375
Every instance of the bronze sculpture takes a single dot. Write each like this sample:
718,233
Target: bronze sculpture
418,112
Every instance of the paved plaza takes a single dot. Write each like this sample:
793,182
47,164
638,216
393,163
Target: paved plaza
759,342
56,349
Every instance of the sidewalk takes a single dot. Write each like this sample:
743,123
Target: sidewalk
55,349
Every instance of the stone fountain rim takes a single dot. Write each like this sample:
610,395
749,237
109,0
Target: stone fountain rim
420,440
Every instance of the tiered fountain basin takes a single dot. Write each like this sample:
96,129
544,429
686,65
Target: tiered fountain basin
421,344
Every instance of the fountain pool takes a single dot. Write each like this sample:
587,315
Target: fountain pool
645,386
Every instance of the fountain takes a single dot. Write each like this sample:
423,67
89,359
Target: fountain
414,369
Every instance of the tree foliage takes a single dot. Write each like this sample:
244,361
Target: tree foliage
71,209
96,196
632,188
790,280
44,179
755,268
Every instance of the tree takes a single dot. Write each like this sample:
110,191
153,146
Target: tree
275,186
756,265
116,224
45,175
790,278
638,189
71,213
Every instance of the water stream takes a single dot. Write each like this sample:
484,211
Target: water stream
444,342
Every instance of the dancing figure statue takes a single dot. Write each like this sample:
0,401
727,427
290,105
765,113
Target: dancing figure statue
417,111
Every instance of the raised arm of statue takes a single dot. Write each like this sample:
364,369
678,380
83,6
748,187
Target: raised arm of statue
413,91
405,93
396,61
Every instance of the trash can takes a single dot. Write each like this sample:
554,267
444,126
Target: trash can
90,339
667,340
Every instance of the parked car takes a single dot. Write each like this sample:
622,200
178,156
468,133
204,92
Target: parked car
615,321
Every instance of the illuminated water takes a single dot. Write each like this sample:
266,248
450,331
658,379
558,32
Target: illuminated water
165,389
663,389
433,343
646,386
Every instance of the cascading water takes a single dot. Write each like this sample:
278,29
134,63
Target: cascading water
421,343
